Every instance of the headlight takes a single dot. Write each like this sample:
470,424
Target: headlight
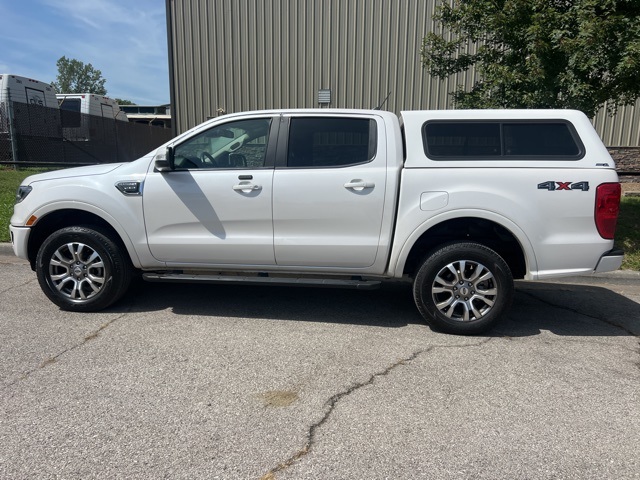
23,191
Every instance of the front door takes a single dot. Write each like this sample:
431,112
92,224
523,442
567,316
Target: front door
215,208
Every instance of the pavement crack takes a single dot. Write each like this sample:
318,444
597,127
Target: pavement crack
579,312
591,341
600,319
51,360
331,404
17,286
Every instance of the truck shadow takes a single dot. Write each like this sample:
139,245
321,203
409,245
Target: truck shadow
570,310
390,306
562,309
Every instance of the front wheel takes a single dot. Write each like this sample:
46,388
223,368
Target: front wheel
81,269
463,288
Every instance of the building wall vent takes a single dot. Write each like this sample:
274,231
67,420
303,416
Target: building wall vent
324,96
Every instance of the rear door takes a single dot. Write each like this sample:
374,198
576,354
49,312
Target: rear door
329,191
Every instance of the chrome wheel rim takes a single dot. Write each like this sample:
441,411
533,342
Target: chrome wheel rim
77,271
464,291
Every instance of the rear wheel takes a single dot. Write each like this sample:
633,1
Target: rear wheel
463,288
81,269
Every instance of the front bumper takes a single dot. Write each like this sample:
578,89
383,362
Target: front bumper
610,261
20,241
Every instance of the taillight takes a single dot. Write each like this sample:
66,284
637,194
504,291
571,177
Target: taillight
607,209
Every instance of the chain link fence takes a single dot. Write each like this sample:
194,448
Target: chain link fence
36,135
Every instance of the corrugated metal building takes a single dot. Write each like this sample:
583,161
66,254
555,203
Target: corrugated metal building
235,55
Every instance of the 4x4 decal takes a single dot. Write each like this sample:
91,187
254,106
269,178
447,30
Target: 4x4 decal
552,186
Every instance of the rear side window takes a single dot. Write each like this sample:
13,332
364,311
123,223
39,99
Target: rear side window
501,140
330,142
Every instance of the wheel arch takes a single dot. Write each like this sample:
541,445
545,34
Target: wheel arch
486,228
68,217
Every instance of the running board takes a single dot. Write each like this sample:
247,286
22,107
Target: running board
358,284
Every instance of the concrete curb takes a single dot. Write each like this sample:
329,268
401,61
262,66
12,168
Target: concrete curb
619,274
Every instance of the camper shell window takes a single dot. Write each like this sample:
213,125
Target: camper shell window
501,140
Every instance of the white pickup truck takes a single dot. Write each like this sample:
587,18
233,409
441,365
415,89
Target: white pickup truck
461,202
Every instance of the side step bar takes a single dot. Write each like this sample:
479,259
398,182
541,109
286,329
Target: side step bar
358,284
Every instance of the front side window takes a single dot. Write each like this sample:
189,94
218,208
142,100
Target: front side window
501,140
331,142
241,144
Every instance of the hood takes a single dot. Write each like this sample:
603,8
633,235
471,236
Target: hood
72,172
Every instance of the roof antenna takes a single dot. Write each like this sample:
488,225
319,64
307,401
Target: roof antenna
383,102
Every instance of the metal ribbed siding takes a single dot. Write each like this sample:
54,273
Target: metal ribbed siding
621,130
241,55
248,54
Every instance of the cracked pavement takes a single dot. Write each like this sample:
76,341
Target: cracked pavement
184,381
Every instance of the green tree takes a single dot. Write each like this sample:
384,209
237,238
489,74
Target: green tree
120,101
76,77
539,53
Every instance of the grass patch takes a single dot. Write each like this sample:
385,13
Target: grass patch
10,180
628,232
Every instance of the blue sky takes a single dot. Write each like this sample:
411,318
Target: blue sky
125,39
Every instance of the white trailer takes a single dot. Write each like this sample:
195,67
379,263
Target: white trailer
28,102
26,90
87,116
91,104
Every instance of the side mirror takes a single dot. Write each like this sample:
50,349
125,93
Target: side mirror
166,162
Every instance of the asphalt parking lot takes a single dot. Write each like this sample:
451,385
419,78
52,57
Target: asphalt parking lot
183,381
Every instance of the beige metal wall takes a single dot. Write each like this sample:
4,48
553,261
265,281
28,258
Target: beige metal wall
235,55
622,129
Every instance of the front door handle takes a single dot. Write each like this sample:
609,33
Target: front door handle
246,187
359,185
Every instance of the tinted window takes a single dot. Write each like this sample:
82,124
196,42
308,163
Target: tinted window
540,139
500,140
463,139
330,142
70,104
70,113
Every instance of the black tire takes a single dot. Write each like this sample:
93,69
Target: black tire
463,288
81,269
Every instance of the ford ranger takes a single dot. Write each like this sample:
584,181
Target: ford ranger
462,202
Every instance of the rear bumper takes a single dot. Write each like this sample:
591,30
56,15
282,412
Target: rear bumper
610,261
